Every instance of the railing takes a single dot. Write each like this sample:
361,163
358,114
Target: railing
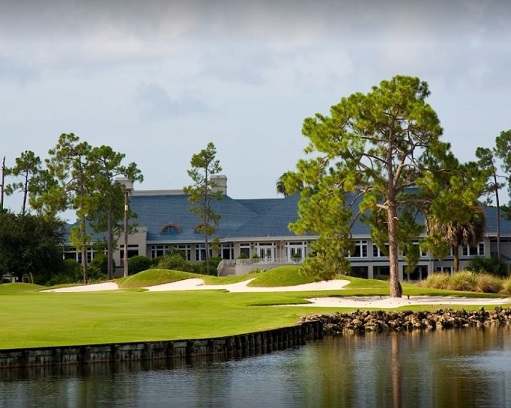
268,260
246,263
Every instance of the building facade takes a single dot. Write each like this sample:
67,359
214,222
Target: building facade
254,233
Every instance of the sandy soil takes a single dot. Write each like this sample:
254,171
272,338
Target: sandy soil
383,302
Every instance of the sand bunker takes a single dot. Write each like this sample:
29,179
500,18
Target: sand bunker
359,302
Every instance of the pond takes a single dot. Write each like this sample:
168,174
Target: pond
467,367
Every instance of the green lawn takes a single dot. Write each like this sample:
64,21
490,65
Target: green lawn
30,318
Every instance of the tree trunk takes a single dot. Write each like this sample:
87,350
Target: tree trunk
498,213
456,254
84,250
395,286
110,246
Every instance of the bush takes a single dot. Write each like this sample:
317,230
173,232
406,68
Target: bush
176,262
138,264
98,268
464,280
506,287
488,283
71,273
438,280
256,270
490,265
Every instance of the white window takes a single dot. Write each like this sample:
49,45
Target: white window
296,251
200,252
265,251
359,249
474,251
185,249
245,250
378,253
227,250
158,250
422,253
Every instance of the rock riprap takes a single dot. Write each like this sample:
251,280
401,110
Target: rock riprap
383,321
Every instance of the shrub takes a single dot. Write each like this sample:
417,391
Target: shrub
138,263
506,287
71,273
256,270
491,265
464,280
98,268
438,280
488,283
177,262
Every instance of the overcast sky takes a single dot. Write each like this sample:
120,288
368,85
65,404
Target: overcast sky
158,80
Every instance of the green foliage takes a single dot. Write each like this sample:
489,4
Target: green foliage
436,281
466,281
71,272
138,264
365,157
213,265
28,167
175,261
490,265
503,152
455,216
203,191
255,271
30,245
506,286
487,283
98,268
83,178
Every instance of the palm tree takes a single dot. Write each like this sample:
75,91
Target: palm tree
455,233
281,187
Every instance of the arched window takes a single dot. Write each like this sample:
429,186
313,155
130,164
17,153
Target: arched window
171,229
199,228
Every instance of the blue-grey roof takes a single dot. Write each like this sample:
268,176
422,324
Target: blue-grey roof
241,218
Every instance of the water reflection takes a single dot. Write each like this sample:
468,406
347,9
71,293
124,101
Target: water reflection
445,368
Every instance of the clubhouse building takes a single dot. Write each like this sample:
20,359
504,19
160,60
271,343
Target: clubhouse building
254,233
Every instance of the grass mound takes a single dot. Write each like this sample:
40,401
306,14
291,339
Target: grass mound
13,288
153,277
288,275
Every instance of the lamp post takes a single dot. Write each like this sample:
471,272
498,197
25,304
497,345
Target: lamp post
127,189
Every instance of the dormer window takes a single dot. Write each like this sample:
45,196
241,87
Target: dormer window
171,229
199,229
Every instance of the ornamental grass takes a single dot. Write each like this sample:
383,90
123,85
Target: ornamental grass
506,286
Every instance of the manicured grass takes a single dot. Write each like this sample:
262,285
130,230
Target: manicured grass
13,288
34,319
153,277
288,275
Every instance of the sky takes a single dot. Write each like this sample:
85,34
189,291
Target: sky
158,80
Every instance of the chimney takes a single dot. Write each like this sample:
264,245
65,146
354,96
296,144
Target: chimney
219,183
